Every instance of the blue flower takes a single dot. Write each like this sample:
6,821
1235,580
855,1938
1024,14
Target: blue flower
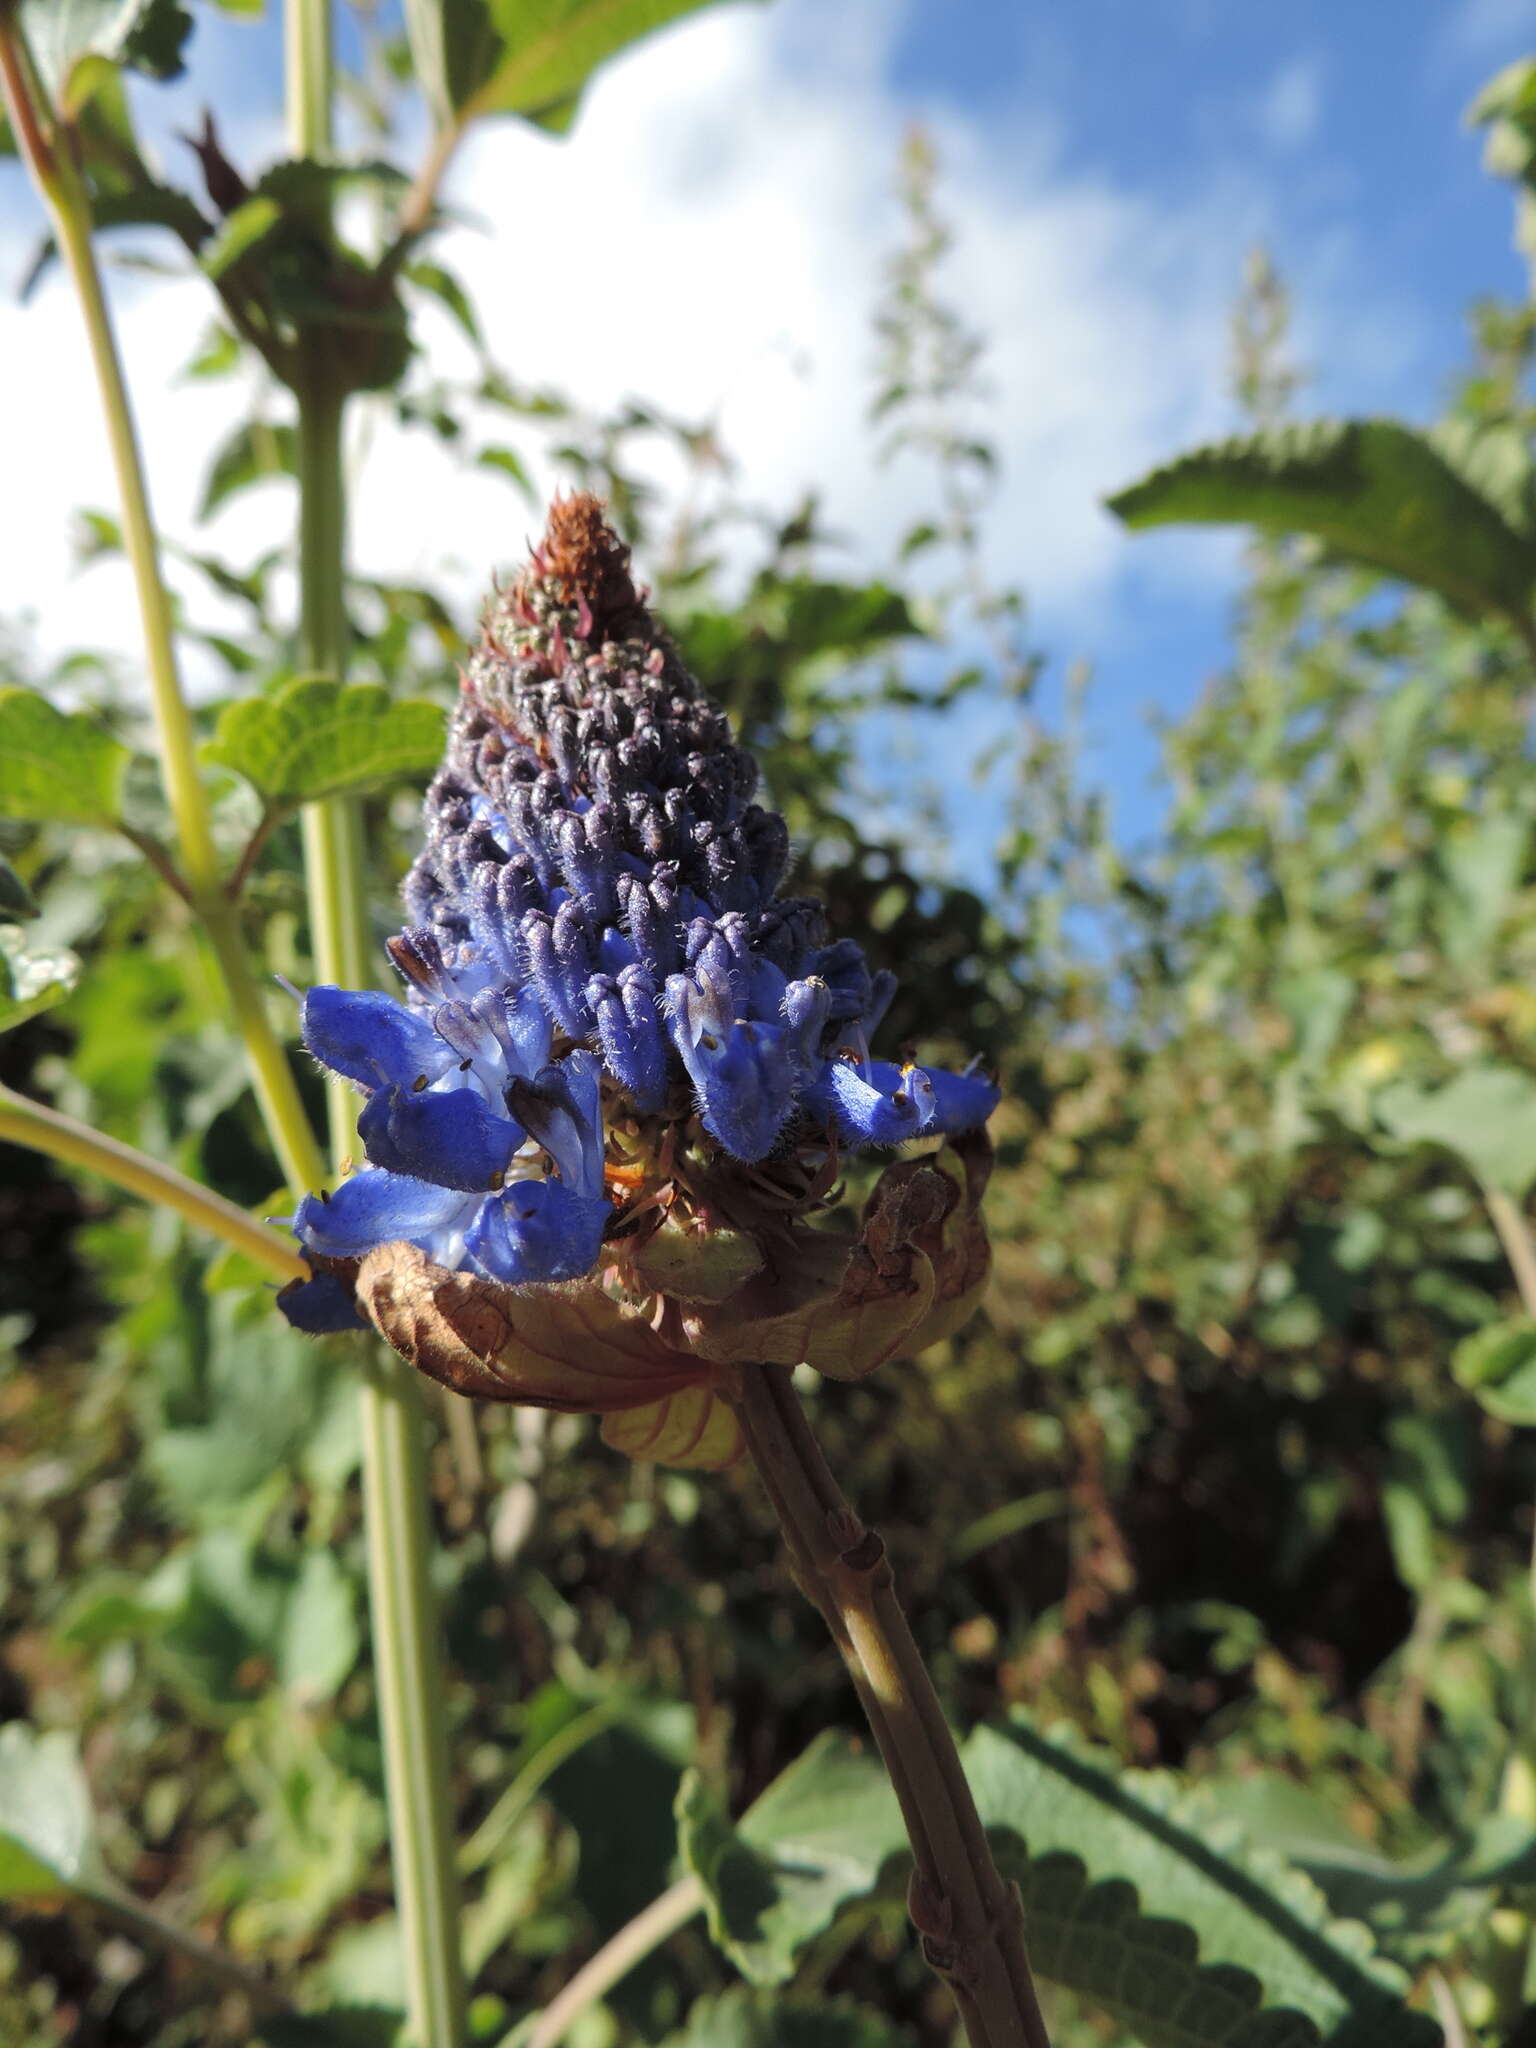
598,953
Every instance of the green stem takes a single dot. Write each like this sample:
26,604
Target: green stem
51,164
215,1963
970,1920
615,1959
46,1130
407,1651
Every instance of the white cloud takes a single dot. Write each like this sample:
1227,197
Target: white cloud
712,238
1291,107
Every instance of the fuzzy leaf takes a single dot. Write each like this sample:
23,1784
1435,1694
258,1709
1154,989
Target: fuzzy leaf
253,454
47,1827
1486,1116
1373,491
1148,1901
1237,1951
58,765
314,738
776,1878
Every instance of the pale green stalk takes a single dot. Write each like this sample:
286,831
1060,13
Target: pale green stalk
53,171
47,1130
635,1940
407,1650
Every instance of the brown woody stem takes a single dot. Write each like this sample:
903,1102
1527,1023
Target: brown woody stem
971,1922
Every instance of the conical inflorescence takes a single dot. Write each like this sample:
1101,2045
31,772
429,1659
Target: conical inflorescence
606,998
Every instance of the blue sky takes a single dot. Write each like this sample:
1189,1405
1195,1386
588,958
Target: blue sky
1107,165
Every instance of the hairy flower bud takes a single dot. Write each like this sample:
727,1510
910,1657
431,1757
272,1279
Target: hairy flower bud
621,1051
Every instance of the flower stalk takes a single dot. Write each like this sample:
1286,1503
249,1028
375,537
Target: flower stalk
970,1920
407,1651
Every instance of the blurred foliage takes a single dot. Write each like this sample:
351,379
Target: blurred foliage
1230,1475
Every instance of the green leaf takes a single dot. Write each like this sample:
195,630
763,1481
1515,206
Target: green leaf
16,899
252,454
314,738
550,48
31,982
744,2019
447,290
1486,1116
65,35
1233,1949
454,48
816,1838
1143,1897
1374,491
47,1828
58,765
1417,1908
510,464
253,222
320,1638
1498,1365
528,57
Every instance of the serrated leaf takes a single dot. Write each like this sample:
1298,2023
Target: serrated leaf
1142,1897
252,454
1373,491
47,1826
816,1838
57,765
31,982
314,738
744,2019
1486,1116
1136,1894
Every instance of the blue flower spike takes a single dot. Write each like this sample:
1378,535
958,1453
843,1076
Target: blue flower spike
606,1000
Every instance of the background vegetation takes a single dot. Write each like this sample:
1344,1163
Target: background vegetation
1232,1474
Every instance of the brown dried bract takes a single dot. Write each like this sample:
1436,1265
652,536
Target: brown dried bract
587,565
568,1348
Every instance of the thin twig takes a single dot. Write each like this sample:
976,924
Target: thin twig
46,1130
615,1959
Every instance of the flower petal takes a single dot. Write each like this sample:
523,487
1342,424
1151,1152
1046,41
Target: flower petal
872,1104
562,1107
961,1102
320,1306
537,1230
369,1037
375,1207
454,1139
